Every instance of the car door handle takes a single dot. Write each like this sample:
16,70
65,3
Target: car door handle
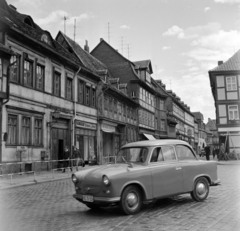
178,168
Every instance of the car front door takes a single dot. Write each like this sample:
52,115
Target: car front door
166,173
191,167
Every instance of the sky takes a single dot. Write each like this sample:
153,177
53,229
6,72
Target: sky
184,39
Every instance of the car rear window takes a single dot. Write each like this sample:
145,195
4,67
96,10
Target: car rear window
184,153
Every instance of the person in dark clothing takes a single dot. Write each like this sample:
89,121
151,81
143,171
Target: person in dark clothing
66,157
207,151
78,157
214,152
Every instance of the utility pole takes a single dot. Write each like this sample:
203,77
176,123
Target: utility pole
65,18
108,32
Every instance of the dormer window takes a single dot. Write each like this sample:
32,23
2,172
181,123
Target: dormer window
28,21
45,39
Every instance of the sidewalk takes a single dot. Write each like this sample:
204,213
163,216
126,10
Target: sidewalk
18,180
222,162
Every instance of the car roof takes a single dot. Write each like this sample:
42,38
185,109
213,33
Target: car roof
147,143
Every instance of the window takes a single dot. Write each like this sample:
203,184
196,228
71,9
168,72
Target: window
69,88
56,84
184,153
28,73
25,130
161,104
233,112
12,129
163,125
14,69
94,98
231,83
87,96
40,78
80,91
38,131
157,155
168,153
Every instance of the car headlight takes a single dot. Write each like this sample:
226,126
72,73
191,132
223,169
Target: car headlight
74,179
106,180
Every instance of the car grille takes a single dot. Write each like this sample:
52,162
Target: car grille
90,189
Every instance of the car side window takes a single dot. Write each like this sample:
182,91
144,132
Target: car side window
168,153
157,155
184,153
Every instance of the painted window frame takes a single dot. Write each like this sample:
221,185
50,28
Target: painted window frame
231,86
231,112
28,73
42,75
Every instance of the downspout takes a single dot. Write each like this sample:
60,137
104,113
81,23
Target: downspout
75,113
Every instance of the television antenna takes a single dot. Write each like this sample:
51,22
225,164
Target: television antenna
65,18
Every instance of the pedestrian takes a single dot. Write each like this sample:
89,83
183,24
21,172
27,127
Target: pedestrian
214,152
222,155
79,158
207,151
66,157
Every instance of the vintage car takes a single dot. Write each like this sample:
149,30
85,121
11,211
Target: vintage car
144,171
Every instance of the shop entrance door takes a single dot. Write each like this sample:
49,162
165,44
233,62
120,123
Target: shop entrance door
61,138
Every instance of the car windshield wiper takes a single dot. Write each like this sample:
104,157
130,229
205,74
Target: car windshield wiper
124,160
129,163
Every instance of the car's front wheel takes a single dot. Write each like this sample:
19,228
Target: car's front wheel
201,189
131,200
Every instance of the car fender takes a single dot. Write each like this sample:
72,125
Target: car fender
146,192
202,175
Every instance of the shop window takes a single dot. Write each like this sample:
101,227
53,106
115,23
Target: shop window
12,129
40,77
56,84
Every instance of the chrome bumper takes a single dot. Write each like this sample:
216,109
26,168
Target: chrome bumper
99,199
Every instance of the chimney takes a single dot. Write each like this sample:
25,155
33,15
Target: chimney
86,47
101,39
220,62
12,7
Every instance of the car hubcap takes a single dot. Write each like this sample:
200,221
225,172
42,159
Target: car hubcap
132,200
201,189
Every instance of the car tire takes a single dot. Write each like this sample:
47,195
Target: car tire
131,200
201,189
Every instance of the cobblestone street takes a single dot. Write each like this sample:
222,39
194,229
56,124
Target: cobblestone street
50,206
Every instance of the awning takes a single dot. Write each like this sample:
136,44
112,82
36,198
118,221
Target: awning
149,137
108,130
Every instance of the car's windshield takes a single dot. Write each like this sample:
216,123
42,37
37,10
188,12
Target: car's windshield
133,155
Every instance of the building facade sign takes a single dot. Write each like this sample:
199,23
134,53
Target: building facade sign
108,128
86,125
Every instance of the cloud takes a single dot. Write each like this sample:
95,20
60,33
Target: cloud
58,15
206,9
227,1
125,27
193,32
174,30
166,48
54,16
34,3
